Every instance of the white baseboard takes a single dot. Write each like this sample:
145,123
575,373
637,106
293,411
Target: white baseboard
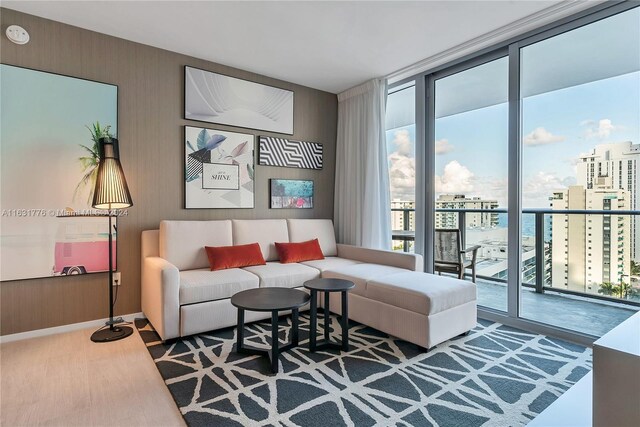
64,328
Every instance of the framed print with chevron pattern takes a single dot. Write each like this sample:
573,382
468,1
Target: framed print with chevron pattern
219,169
289,154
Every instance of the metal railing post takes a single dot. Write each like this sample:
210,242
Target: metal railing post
539,225
462,226
405,227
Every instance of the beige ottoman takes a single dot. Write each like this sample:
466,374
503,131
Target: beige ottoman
421,308
448,304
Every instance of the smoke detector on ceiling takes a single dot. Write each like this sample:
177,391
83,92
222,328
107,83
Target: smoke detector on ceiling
17,34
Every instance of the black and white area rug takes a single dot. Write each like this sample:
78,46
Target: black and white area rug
495,376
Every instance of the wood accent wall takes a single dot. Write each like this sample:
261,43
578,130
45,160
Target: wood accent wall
151,133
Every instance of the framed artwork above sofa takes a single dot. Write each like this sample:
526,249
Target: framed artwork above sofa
290,194
219,169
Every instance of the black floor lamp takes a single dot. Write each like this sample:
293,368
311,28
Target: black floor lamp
111,192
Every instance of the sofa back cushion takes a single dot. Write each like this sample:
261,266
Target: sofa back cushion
302,230
182,242
264,231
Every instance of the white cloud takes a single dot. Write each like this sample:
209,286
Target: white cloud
402,168
492,188
541,136
402,177
456,178
600,130
540,187
459,179
402,142
443,146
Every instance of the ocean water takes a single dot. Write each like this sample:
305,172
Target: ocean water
529,225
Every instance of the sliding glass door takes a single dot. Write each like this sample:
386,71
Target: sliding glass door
471,169
531,153
580,109
401,151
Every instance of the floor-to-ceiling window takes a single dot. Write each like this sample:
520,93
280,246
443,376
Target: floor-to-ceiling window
471,162
401,151
580,110
545,131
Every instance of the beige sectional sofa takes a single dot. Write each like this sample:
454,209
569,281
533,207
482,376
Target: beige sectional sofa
181,296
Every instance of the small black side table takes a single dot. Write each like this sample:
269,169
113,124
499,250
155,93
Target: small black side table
273,300
327,286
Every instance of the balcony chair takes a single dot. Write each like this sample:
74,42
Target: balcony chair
449,255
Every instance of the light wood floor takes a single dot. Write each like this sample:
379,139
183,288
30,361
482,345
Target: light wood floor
67,380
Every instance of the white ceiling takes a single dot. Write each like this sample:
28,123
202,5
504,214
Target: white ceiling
330,46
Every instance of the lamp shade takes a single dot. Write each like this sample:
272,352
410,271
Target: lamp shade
111,191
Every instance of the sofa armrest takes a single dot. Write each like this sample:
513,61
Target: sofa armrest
161,296
411,262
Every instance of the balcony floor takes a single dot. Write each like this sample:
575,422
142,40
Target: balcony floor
589,316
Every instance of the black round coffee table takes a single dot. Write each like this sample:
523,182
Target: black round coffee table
273,300
327,286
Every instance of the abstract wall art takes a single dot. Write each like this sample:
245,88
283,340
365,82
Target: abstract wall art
216,98
48,153
219,169
291,194
289,154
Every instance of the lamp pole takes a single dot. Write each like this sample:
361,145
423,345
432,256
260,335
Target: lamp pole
110,190
110,272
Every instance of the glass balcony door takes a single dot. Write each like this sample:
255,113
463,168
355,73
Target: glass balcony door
580,149
471,168
401,151
531,152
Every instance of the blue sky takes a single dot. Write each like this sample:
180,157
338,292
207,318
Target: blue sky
558,126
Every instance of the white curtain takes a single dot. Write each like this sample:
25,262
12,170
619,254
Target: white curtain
362,208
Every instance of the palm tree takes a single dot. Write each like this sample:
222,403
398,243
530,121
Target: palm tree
607,288
626,290
635,268
90,161
622,290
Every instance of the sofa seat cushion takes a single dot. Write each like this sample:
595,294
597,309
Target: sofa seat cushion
330,263
206,285
274,274
421,292
360,274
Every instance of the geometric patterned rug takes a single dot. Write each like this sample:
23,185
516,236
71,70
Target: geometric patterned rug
495,376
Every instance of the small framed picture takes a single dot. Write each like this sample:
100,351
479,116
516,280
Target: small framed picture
291,194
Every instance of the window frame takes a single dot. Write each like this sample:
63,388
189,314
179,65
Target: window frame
425,156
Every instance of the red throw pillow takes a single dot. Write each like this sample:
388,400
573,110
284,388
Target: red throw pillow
224,257
297,252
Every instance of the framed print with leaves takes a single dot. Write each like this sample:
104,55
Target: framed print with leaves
219,169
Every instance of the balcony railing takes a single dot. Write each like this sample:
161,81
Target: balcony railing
540,284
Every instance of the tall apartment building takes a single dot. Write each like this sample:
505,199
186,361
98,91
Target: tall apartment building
473,219
588,250
403,219
621,163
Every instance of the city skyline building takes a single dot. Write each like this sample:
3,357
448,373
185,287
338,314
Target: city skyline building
619,161
588,250
473,220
